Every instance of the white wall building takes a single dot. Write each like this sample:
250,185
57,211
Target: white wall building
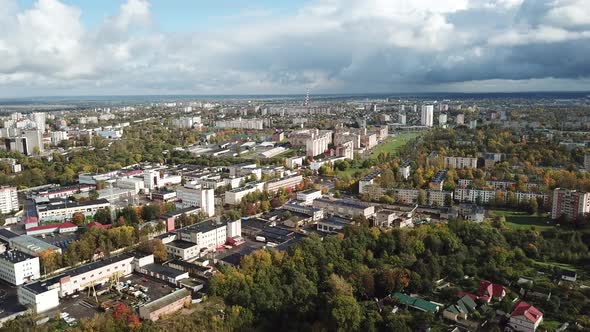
8,200
306,197
427,115
18,267
195,195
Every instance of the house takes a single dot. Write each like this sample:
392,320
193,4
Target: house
525,317
416,303
489,291
461,309
568,275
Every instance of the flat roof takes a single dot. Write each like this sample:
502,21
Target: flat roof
32,243
164,270
15,256
181,244
202,227
309,191
7,234
167,300
187,210
349,203
69,204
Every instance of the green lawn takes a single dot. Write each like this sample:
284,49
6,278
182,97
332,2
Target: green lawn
560,265
392,144
523,220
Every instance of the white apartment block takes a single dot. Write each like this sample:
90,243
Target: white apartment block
58,136
460,162
241,124
186,122
8,200
17,267
427,115
587,162
195,195
317,145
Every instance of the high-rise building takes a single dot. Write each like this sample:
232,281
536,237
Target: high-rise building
39,119
587,162
460,119
195,195
402,118
569,203
442,119
8,199
427,116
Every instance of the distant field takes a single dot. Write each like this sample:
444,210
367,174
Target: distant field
392,144
523,220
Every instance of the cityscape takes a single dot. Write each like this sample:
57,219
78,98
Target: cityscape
321,202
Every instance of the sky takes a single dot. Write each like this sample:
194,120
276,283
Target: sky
142,47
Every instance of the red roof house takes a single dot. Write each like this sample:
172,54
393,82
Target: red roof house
98,225
525,317
488,291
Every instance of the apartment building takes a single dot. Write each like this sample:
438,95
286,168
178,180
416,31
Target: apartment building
368,180
460,162
8,200
240,123
569,203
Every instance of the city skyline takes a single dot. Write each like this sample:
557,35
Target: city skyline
140,47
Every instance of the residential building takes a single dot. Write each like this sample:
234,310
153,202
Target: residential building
569,203
460,162
17,267
165,305
437,182
209,235
587,162
442,119
294,162
427,115
8,200
58,136
368,180
460,119
241,124
15,167
194,195
318,144
405,169
416,303
489,291
525,317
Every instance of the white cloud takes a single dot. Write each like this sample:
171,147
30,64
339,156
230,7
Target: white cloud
330,45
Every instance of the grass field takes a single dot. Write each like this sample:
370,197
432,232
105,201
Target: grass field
392,144
523,220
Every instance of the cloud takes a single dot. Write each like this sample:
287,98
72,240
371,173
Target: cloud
328,45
